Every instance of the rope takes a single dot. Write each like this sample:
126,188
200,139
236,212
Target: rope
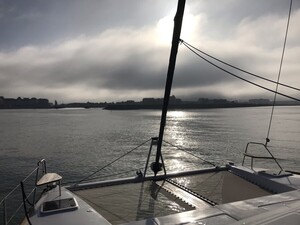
237,68
187,151
232,74
279,72
87,177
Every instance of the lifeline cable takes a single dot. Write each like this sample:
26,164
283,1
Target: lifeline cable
115,174
97,171
108,175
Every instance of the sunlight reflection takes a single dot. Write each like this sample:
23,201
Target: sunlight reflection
177,134
174,207
175,128
177,165
184,181
177,114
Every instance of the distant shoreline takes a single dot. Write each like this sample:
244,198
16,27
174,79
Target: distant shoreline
146,103
188,106
120,108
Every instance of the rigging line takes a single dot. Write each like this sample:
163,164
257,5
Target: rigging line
115,174
237,68
15,213
109,175
279,72
248,81
87,177
185,150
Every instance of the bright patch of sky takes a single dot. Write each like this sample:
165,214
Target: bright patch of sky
118,50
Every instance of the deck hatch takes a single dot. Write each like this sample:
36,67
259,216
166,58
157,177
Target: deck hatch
58,206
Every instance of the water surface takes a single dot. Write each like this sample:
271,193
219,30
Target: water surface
76,142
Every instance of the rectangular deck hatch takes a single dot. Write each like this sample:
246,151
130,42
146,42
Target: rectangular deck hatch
58,206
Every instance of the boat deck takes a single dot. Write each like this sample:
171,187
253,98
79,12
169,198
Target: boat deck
221,195
138,201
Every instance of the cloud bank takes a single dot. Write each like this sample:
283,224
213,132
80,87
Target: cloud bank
130,62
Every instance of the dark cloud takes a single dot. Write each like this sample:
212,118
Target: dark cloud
108,50
37,22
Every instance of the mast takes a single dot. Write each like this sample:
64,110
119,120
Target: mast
156,166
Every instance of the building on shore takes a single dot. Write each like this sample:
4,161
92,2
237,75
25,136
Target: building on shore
24,103
260,101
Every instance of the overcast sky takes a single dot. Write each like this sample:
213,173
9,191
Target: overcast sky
104,50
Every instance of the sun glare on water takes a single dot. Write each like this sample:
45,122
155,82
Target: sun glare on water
176,114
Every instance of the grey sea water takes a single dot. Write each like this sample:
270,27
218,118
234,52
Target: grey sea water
77,142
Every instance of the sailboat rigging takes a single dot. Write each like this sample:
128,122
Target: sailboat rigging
241,195
156,166
195,51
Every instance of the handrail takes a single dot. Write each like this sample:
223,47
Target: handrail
43,163
6,220
259,157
